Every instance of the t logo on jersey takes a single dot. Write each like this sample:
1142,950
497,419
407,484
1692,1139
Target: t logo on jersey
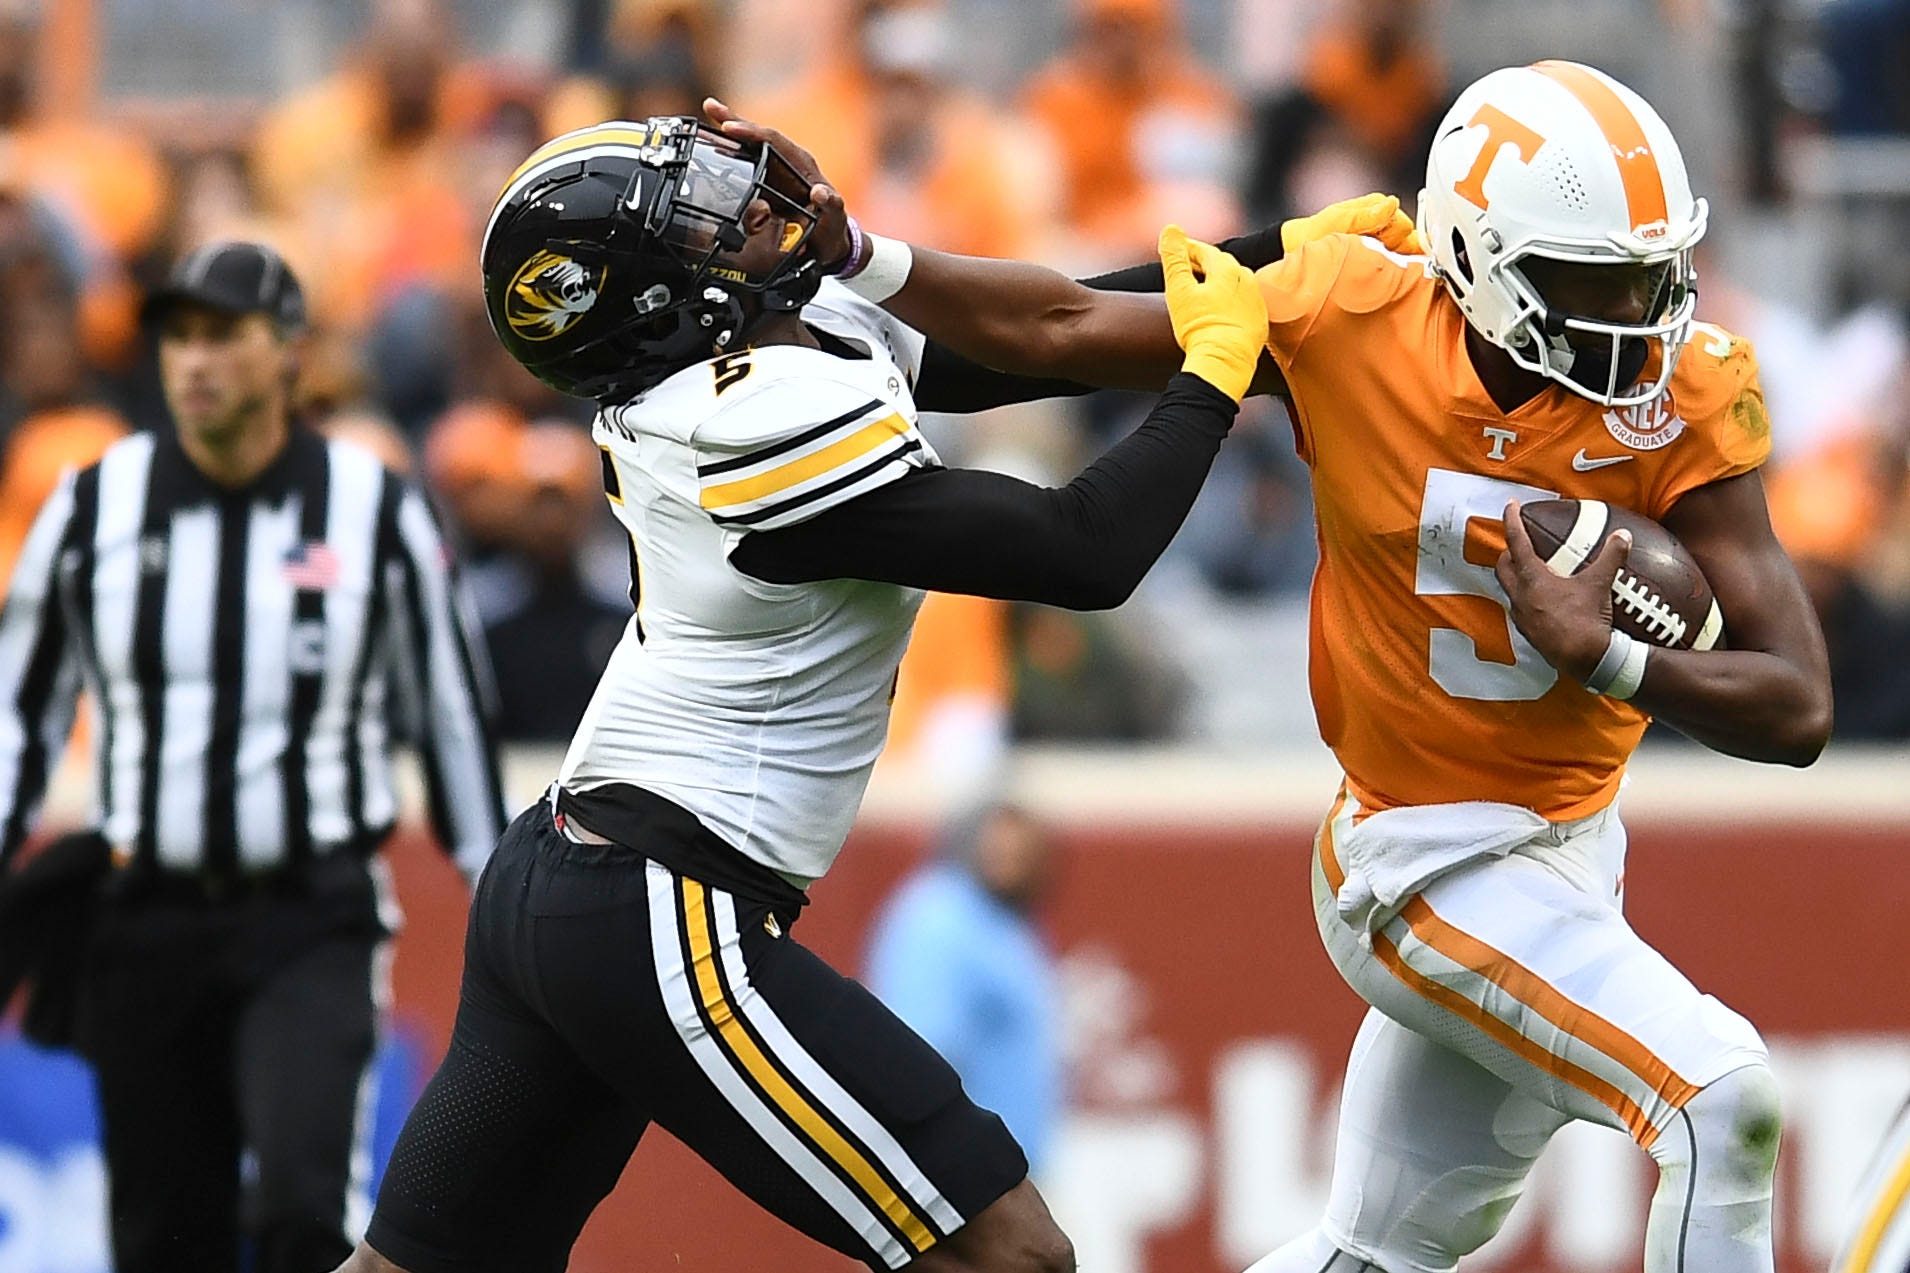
1499,439
1501,128
549,294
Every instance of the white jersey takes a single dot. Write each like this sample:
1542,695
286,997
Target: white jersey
758,707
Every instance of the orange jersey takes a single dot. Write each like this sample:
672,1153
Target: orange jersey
1423,688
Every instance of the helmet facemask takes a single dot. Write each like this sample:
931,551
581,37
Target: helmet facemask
699,212
1594,357
622,253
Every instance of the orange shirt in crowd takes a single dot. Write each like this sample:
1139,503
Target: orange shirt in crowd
1421,685
1100,131
108,187
44,446
1827,505
829,113
966,197
108,182
378,217
1384,105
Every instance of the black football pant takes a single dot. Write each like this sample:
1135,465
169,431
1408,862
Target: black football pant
602,992
232,1042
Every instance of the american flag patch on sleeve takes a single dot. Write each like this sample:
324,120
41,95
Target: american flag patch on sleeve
311,566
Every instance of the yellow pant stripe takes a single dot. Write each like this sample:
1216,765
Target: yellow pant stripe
743,1049
1864,1250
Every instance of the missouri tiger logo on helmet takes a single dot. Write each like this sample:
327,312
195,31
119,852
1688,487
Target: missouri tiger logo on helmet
549,293
621,253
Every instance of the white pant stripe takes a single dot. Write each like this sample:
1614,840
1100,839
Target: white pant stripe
365,1113
679,998
821,1084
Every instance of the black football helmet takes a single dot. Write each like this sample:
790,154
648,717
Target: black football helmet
612,258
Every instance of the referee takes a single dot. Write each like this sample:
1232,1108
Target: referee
238,598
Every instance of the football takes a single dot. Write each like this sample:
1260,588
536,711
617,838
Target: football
1659,596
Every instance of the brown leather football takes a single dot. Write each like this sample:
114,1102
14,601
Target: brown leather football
1659,596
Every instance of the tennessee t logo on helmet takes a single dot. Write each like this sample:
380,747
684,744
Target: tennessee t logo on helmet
1598,180
1501,129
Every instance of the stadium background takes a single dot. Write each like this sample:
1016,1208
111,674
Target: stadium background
1169,743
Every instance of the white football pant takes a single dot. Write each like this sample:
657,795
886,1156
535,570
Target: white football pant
1509,997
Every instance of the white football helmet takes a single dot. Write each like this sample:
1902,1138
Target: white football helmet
1559,160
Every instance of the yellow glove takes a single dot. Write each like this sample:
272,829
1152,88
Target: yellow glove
1220,318
1375,215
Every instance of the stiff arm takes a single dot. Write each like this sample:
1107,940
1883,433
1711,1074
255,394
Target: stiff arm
1056,334
1031,321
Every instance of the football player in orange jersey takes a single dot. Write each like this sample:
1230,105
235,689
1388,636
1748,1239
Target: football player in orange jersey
1468,879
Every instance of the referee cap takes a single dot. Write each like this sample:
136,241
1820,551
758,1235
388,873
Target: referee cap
239,278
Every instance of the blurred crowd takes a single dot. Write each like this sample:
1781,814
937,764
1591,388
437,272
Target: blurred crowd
1094,122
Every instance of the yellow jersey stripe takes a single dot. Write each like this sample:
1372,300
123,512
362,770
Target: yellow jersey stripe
743,1048
1863,1252
564,145
783,476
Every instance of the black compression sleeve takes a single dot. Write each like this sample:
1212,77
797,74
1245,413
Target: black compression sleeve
1084,546
949,382
1262,247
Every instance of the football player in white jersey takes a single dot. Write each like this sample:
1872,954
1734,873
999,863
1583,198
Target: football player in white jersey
628,959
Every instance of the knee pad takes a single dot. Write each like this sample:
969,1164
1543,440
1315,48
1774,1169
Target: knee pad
1728,1132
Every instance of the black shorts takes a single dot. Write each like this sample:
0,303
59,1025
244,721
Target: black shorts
603,992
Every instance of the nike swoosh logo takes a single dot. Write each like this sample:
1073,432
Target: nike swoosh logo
1584,463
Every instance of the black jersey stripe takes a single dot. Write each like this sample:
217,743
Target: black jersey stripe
788,444
906,445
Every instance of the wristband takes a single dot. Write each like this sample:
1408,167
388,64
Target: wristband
886,271
851,265
1620,672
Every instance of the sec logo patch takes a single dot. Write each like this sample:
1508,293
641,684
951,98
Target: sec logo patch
1647,426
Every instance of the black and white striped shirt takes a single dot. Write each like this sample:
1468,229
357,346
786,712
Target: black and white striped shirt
239,644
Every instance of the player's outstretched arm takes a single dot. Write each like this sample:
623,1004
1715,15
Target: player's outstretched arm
1765,698
1085,545
950,381
1107,332
1029,320
1007,331
1007,315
